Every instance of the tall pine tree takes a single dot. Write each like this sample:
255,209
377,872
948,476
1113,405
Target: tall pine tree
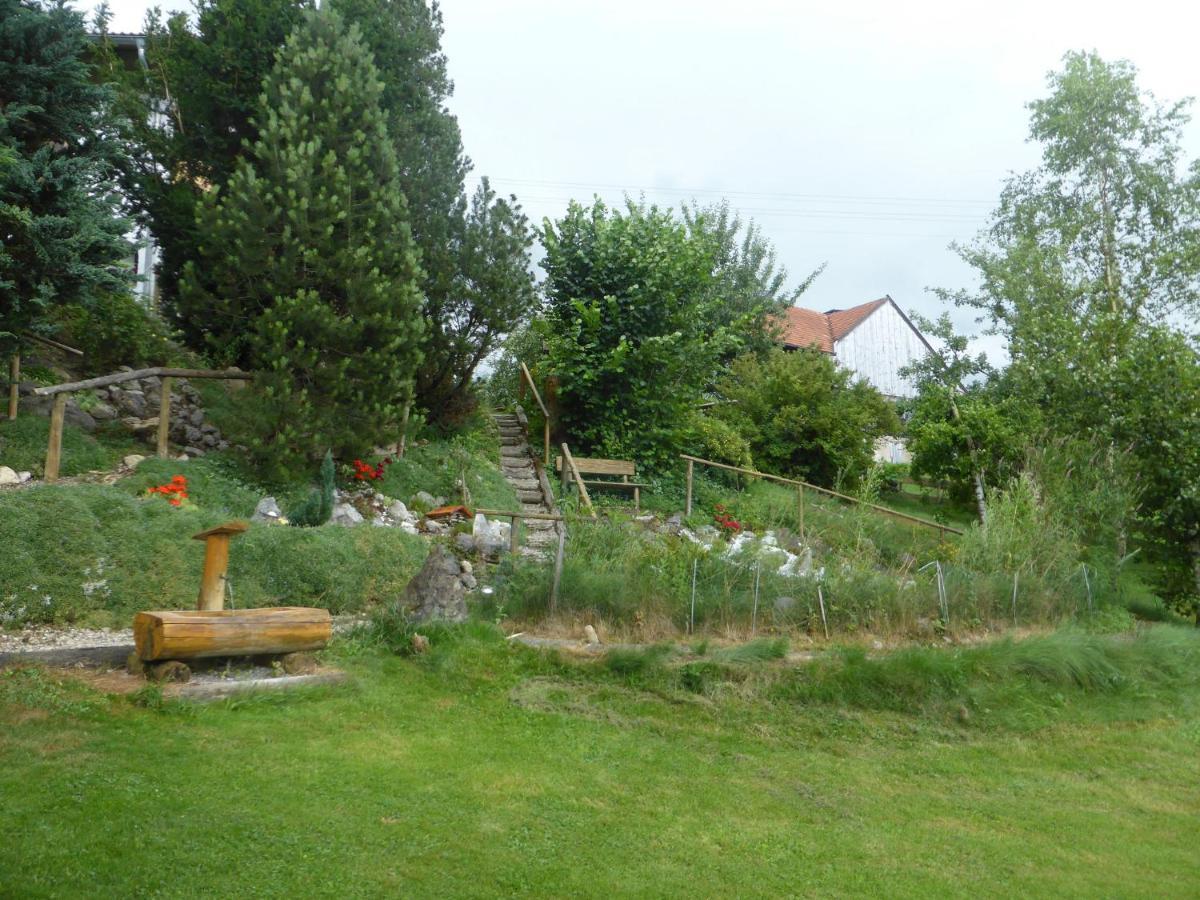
307,271
478,281
61,238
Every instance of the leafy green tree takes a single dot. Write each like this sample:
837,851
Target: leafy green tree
748,280
307,273
1089,261
61,236
478,281
963,427
629,327
804,415
186,117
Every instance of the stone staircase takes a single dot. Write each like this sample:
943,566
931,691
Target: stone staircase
516,462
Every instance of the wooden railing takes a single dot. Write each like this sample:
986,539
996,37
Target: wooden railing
528,379
569,464
14,369
802,486
61,392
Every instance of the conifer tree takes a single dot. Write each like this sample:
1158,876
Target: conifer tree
61,237
307,270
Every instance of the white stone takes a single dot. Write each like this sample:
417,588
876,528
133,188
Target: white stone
8,476
399,512
345,514
590,634
24,476
132,460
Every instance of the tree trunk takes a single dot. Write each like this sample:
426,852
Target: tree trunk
976,475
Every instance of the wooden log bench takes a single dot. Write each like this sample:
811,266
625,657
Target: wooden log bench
615,468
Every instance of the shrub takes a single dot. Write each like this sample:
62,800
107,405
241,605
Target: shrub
803,415
116,330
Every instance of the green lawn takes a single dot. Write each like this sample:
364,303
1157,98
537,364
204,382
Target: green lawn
482,770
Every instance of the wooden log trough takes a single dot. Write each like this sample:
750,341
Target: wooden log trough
196,634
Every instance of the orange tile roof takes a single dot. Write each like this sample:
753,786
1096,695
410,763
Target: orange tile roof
809,328
806,328
844,321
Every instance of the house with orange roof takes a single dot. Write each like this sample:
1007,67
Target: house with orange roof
874,340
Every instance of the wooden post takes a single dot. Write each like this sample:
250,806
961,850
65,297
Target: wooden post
216,563
558,565
800,502
14,390
546,441
404,430
54,450
569,460
164,417
687,510
513,541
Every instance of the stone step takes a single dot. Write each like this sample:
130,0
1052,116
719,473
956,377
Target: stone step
533,496
515,467
525,484
515,450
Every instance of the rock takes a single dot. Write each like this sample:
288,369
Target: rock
196,417
465,543
192,435
409,528
345,514
267,510
436,592
490,537
24,477
102,412
434,527
466,566
590,635
420,643
133,402
8,476
193,451
132,460
73,415
399,512
468,581
422,498
151,384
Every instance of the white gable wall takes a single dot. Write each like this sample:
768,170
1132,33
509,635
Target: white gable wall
879,347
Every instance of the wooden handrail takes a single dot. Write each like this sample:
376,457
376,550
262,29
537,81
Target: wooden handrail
525,374
160,371
60,393
548,517
533,387
583,491
821,490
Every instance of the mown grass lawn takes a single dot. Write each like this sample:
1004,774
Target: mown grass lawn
486,771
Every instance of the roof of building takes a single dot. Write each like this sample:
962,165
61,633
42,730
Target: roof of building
809,328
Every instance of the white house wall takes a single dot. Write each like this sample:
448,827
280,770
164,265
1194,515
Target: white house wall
879,347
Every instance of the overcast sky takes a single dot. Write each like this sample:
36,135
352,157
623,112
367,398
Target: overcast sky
864,135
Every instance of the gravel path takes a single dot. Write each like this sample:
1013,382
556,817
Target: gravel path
47,637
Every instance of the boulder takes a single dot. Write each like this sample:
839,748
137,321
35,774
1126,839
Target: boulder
425,499
347,515
399,512
73,415
132,460
267,510
8,476
102,412
436,593
490,537
465,542
24,477
132,402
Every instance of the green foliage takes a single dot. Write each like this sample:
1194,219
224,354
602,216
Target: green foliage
317,509
186,115
1088,256
477,279
634,664
748,285
315,210
630,312
116,330
719,441
63,240
803,415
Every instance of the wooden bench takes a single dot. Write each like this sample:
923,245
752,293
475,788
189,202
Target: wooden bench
618,468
